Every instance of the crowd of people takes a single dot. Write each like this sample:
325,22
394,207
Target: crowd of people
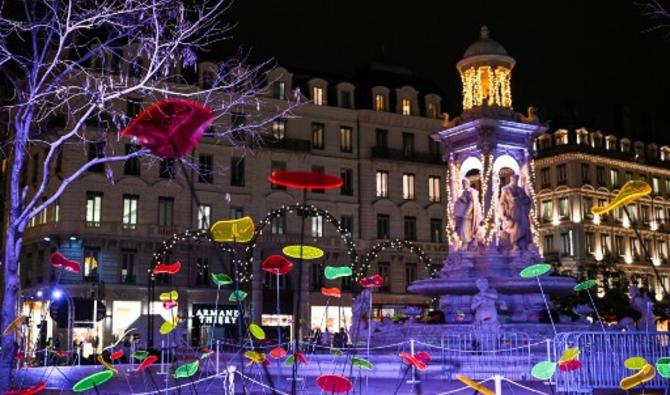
319,341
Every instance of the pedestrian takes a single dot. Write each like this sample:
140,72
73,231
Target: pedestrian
327,338
344,338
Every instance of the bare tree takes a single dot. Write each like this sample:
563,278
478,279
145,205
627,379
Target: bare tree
77,61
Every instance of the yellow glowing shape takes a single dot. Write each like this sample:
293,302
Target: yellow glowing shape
569,354
474,385
254,357
631,191
238,230
106,365
647,373
168,296
308,252
14,325
168,326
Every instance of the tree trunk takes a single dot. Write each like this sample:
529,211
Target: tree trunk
11,288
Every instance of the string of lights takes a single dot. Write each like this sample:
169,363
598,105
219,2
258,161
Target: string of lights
372,254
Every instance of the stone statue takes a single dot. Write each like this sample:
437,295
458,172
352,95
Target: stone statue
484,306
643,305
467,211
360,316
515,205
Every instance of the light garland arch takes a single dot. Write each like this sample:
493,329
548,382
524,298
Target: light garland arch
396,244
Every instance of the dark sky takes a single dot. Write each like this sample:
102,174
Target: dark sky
582,63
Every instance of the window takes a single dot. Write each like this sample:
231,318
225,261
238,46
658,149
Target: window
278,224
562,174
410,274
667,186
380,103
132,166
345,139
93,208
545,177
347,222
316,276
279,129
407,145
602,203
647,245
166,168
165,211
548,244
633,247
128,266
406,107
56,212
433,147
237,172
205,169
655,185
320,170
628,176
658,215
586,173
631,209
96,151
345,99
204,216
347,176
133,106
317,135
644,211
435,230
409,225
202,271
605,243
382,183
434,193
587,204
236,212
662,250
277,167
408,186
91,259
590,242
566,244
564,208
130,203
614,178
619,246
384,270
317,226
383,226
600,176
547,210
381,139
279,90
317,95
432,110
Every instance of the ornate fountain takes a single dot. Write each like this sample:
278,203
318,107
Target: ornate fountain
492,224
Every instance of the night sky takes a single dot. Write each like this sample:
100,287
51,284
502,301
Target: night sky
582,63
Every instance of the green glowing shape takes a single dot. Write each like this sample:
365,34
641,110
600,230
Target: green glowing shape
92,381
205,355
543,370
535,270
221,279
663,367
361,363
308,252
140,355
336,352
584,285
237,296
635,363
257,331
290,360
186,370
333,272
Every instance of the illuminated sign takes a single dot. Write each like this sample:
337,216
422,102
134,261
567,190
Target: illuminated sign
206,314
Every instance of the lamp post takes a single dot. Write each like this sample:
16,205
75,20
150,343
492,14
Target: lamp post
56,294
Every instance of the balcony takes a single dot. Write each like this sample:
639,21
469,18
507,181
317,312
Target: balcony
288,144
544,152
400,155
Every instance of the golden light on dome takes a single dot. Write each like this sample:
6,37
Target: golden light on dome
486,85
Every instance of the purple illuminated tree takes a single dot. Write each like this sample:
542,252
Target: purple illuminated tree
70,66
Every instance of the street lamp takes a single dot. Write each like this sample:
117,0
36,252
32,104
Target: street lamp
56,294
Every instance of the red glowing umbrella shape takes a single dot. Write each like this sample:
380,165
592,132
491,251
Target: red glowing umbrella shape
333,383
59,261
423,356
148,361
170,128
412,361
305,180
569,366
116,355
167,268
277,264
37,388
332,292
375,281
278,353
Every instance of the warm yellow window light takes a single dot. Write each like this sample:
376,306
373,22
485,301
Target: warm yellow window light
239,230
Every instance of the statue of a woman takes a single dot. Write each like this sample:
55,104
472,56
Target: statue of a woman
467,212
515,205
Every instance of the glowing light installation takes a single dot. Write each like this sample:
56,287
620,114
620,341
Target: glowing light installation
305,180
333,272
334,384
277,264
59,261
92,381
257,331
187,370
239,230
35,389
302,251
631,191
14,325
646,373
167,268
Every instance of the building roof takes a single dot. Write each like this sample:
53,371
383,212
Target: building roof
485,46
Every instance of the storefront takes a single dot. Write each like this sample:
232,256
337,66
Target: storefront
210,321
331,317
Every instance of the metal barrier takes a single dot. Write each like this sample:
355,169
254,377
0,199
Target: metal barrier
602,357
